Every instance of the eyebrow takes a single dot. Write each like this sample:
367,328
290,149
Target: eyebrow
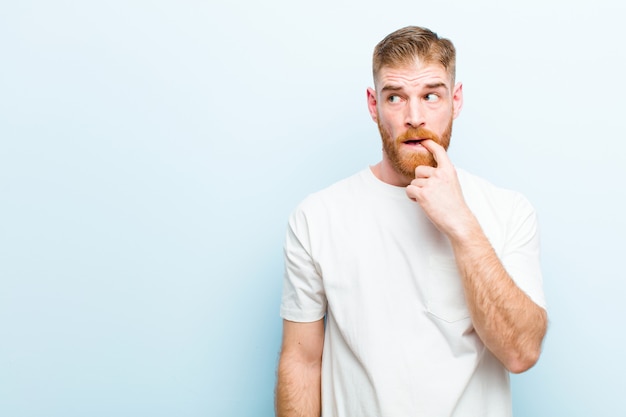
391,88
437,85
431,86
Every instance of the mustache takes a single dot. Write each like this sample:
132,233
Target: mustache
420,132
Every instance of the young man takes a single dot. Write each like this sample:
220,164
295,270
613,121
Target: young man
411,288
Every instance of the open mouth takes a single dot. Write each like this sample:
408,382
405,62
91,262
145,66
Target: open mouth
413,141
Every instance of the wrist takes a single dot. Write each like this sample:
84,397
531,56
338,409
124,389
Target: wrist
465,231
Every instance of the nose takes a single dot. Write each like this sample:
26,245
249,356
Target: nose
414,114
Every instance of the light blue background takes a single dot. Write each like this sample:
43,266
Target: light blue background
151,151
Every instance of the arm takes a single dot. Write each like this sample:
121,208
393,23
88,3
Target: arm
508,322
298,390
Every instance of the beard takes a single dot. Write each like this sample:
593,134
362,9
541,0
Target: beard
405,161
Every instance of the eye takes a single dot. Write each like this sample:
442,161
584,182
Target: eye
431,97
393,99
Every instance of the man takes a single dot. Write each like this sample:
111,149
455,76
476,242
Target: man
411,288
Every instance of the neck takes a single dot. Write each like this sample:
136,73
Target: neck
385,172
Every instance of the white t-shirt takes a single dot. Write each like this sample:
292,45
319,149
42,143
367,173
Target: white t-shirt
399,341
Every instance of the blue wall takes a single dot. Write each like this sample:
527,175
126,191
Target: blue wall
151,151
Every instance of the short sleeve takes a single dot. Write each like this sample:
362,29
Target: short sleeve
521,256
303,298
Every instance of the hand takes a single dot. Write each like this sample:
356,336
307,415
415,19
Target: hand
438,192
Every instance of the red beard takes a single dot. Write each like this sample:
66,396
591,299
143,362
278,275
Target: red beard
405,161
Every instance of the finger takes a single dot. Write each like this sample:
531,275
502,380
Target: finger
440,154
412,192
419,182
423,171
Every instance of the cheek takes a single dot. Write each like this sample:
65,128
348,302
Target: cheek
443,120
390,122
389,128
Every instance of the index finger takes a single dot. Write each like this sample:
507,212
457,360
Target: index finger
440,154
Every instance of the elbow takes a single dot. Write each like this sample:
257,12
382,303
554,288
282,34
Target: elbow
522,361
527,353
520,365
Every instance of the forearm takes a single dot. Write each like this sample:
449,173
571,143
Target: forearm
508,322
298,391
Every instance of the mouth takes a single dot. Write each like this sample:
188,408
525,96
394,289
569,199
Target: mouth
413,142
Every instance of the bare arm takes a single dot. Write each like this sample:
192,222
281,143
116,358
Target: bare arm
508,322
298,390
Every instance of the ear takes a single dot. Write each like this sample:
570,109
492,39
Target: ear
371,104
457,100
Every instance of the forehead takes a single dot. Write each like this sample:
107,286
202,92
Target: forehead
416,74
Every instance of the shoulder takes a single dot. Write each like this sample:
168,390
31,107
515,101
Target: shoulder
336,195
323,210
476,189
500,211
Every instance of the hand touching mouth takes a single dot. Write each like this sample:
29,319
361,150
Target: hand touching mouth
414,137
